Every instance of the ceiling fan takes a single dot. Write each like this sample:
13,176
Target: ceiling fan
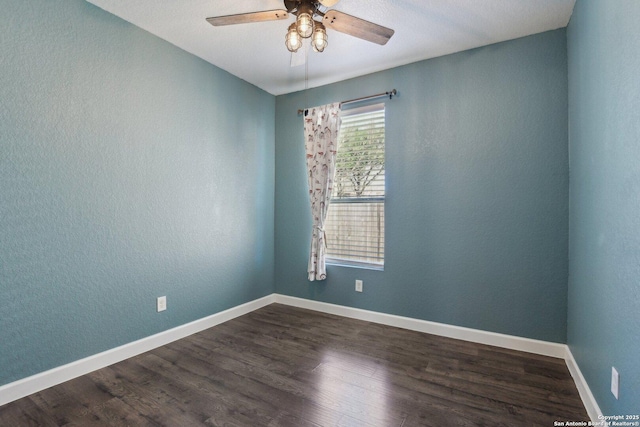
313,17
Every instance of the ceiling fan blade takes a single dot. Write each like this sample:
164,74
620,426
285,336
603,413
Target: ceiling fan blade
300,57
357,27
246,18
328,3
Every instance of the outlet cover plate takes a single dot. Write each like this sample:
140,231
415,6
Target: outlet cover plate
358,285
161,304
615,382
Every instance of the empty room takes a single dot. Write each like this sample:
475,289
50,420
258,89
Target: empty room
320,213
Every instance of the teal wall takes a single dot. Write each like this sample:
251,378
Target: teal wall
604,145
477,191
126,173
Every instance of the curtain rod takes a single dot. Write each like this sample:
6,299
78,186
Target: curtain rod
390,94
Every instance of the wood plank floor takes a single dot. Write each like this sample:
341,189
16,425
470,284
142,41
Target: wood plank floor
284,366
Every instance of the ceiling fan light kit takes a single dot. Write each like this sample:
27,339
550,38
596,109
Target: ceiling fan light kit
312,20
319,40
292,39
304,22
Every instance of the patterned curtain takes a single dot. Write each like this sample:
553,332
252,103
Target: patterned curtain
321,126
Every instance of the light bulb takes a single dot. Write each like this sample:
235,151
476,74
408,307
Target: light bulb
304,23
319,40
292,39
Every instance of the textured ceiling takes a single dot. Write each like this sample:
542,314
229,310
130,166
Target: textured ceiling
256,52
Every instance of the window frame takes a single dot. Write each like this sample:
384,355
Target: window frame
346,262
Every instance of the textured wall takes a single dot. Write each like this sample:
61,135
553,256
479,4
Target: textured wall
126,172
604,263
477,180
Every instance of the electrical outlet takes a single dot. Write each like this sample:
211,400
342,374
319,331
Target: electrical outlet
615,382
358,285
161,303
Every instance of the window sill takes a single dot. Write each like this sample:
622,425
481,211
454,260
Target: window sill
354,264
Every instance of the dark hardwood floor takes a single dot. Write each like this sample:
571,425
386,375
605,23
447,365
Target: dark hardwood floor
284,366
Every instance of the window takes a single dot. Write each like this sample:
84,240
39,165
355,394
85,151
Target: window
355,220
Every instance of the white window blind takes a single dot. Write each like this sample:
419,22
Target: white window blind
355,220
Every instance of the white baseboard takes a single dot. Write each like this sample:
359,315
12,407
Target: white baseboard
43,380
590,404
544,348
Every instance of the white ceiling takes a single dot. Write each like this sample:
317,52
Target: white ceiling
256,52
